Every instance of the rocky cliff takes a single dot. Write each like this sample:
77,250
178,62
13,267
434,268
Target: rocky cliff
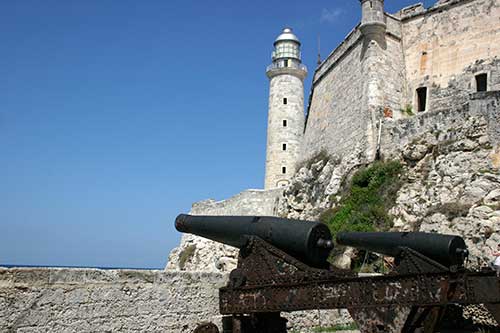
451,181
453,187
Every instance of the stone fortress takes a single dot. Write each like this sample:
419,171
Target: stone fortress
394,78
392,67
388,67
421,86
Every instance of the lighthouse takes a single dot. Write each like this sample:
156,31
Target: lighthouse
285,123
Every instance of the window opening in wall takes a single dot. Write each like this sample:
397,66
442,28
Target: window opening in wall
481,82
285,100
283,170
421,99
284,146
371,4
284,123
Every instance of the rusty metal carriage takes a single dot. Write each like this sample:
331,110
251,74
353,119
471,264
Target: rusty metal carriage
283,267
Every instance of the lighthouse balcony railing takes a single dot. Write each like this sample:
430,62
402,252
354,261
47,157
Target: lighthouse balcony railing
281,65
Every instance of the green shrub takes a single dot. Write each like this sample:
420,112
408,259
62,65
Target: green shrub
371,194
408,110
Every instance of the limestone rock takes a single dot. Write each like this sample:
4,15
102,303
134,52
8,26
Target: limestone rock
493,198
312,190
415,152
453,188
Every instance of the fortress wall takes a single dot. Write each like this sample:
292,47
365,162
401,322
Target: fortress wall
441,48
393,74
92,300
249,202
335,122
488,104
338,118
445,46
397,134
351,40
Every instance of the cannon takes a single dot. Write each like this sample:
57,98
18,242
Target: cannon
283,267
447,250
310,242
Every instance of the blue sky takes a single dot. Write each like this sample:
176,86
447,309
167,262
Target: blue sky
116,115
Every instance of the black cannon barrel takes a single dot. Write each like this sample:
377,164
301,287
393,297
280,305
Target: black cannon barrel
448,250
309,242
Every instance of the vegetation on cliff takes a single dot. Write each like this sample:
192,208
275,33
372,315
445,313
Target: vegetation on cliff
366,202
364,206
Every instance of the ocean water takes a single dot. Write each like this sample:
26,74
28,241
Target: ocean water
43,266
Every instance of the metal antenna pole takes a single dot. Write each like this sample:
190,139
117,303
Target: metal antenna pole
319,49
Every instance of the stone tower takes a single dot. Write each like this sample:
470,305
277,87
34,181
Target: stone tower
373,24
373,27
286,109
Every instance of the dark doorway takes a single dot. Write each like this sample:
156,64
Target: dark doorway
421,99
481,82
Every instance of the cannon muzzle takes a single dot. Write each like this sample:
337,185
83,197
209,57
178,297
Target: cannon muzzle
309,242
448,250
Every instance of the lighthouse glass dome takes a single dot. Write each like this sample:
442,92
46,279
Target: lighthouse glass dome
287,45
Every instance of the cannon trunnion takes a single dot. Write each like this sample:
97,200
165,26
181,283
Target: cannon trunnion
276,273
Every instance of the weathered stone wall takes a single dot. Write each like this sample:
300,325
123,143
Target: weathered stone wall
397,134
248,202
91,300
393,72
446,46
442,48
335,120
488,105
351,89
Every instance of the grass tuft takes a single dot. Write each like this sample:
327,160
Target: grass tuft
408,110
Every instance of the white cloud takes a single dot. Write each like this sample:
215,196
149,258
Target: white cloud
330,15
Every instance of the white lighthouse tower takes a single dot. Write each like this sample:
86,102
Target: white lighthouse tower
285,124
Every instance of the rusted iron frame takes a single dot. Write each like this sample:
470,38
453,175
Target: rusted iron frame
431,289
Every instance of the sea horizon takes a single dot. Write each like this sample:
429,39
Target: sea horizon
69,266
